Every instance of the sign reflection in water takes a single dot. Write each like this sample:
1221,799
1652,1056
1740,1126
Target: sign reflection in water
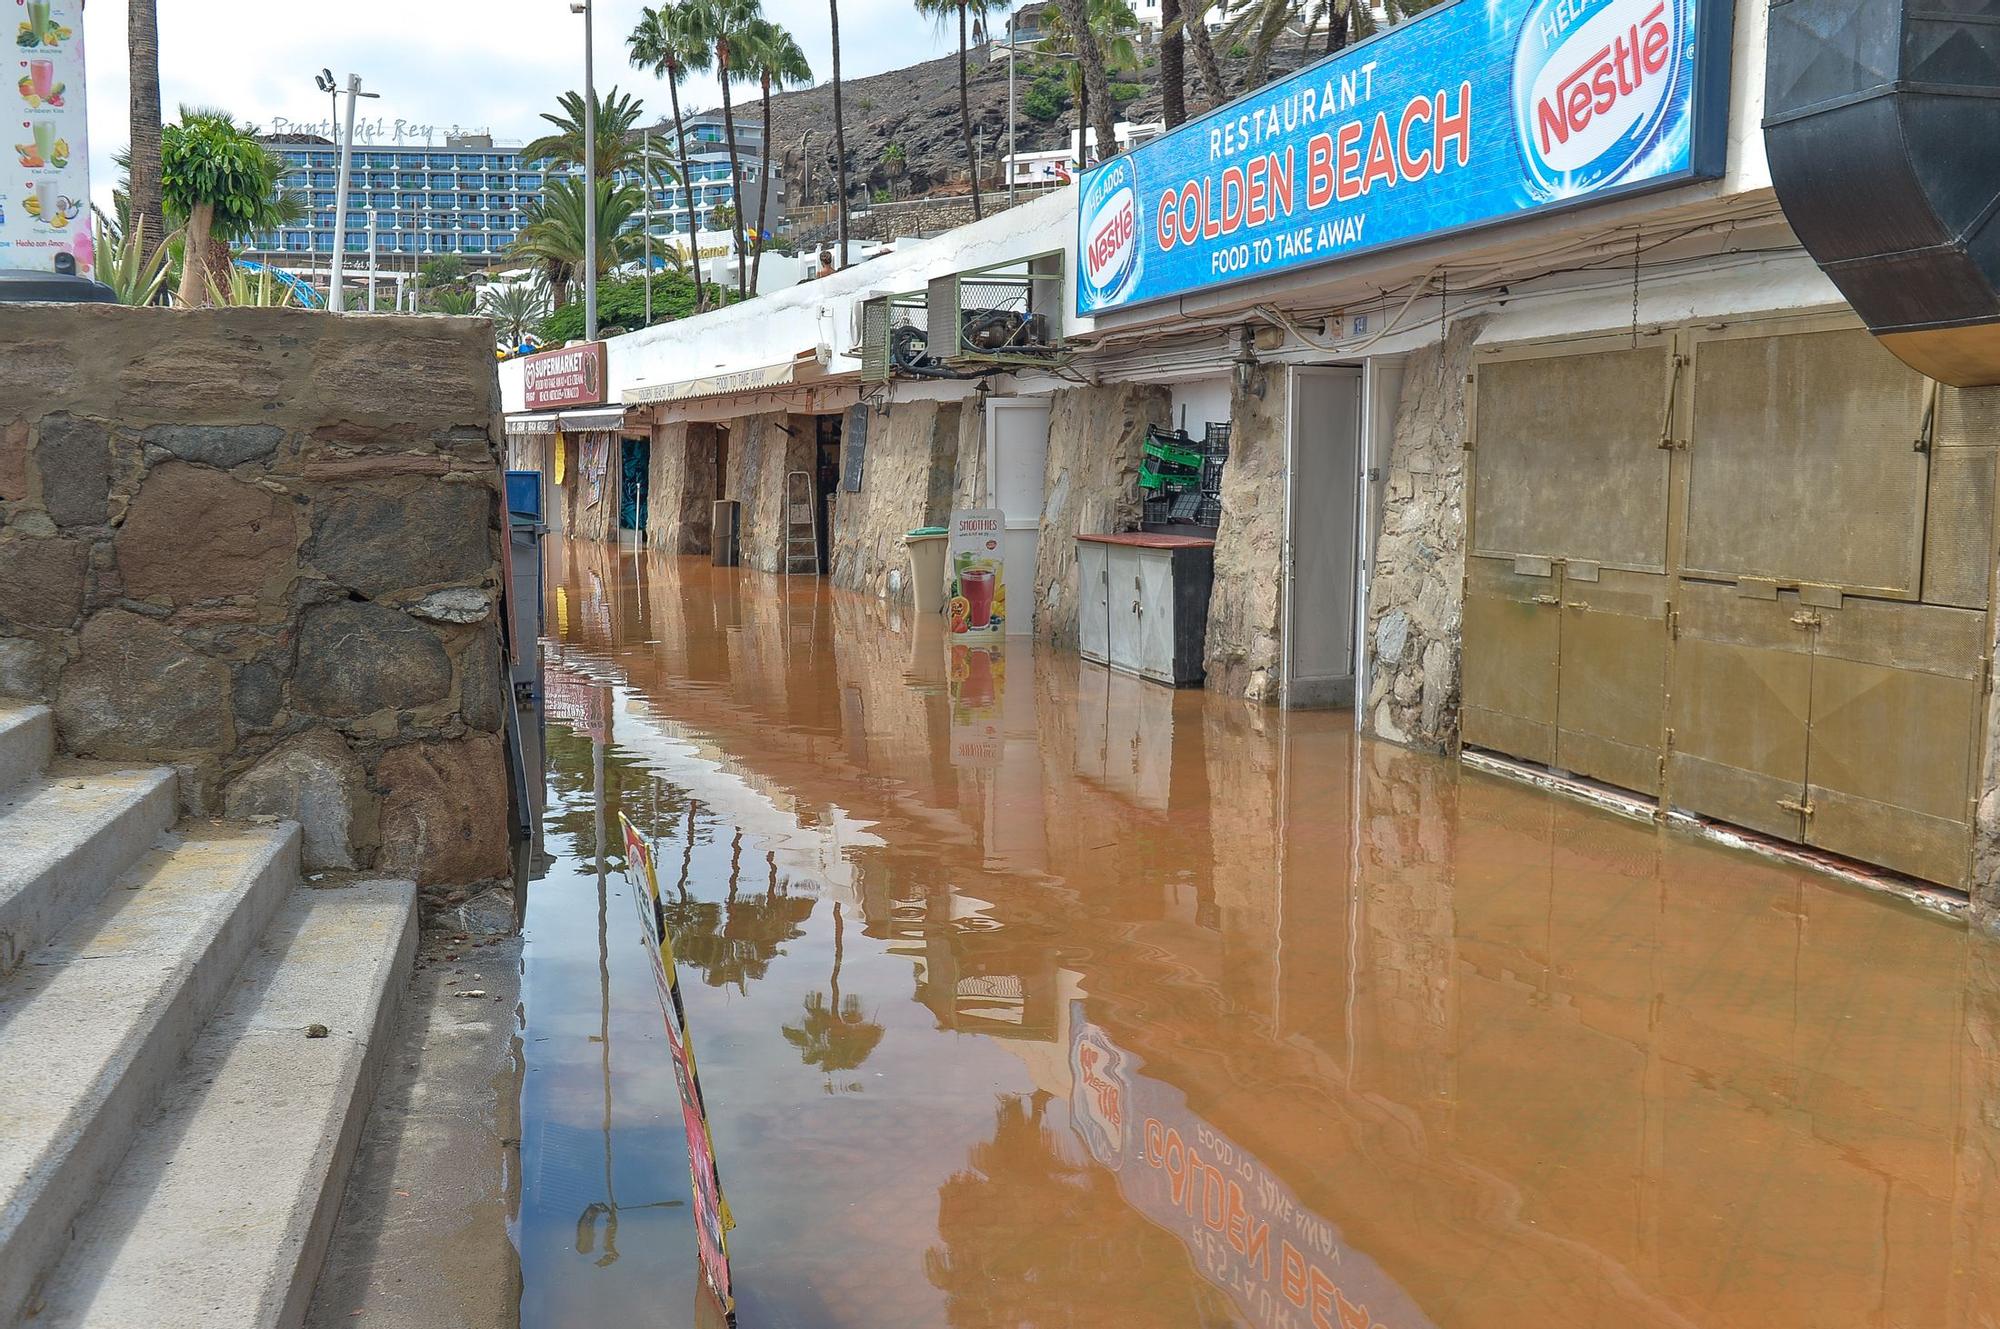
711,1210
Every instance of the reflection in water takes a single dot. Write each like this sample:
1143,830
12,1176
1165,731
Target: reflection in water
1214,1016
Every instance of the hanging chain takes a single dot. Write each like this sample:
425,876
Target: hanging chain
1635,290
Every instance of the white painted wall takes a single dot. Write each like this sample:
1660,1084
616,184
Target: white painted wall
778,326
1199,402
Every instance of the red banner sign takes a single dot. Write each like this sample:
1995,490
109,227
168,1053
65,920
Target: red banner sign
572,376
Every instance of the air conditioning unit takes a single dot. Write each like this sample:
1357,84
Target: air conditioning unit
1007,313
857,320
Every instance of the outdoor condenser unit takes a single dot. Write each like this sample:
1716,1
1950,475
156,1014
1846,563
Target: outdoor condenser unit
1882,125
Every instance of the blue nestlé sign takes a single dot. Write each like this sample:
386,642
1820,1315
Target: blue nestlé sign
1469,114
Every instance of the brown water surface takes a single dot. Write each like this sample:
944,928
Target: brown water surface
1025,994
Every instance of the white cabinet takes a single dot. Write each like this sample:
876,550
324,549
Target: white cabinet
1142,604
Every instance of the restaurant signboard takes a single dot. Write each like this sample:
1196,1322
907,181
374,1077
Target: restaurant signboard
1467,115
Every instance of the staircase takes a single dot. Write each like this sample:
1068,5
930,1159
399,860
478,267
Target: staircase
189,1038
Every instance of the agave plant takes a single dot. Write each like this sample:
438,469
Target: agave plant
123,266
458,302
248,289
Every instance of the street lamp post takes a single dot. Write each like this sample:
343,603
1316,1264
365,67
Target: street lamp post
354,94
371,260
646,217
589,176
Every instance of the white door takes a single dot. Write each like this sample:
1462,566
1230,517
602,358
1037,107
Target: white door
1325,562
1124,592
1017,459
1093,589
1156,615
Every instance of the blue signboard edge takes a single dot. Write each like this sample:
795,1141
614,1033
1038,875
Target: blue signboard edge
1708,155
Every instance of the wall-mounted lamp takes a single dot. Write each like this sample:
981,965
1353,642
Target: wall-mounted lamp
1245,362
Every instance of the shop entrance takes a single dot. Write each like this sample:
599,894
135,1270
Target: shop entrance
1321,575
826,482
634,486
1743,570
1017,459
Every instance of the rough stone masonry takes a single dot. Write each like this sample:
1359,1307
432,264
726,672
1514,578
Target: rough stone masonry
263,546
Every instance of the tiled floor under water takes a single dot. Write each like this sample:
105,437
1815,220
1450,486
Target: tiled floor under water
1028,995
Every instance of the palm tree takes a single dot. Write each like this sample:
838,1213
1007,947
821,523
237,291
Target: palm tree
216,175
940,10
618,147
725,22
668,40
1195,27
834,1034
1111,22
1173,63
142,39
515,308
552,233
1096,82
839,129
774,53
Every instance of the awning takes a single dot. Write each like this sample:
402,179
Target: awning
597,418
601,418
715,385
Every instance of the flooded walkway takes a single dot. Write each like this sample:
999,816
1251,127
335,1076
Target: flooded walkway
1029,995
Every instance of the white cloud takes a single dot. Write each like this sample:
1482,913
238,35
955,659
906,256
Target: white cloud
490,63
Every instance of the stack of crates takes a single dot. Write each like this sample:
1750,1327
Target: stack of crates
1172,462
1214,455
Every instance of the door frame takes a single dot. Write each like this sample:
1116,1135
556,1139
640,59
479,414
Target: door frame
989,495
1287,542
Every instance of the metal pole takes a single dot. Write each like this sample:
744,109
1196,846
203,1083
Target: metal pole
646,218
371,260
333,298
1013,166
589,182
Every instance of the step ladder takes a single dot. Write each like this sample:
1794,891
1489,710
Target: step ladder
801,531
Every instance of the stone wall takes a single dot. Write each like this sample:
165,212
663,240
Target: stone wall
1095,439
1416,596
680,502
906,482
262,546
1245,631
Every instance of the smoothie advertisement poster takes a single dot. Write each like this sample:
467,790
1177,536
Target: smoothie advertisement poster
1469,114
45,205
975,584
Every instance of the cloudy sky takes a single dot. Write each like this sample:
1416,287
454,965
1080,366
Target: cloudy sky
487,63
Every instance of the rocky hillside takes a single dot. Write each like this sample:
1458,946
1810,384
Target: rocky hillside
916,109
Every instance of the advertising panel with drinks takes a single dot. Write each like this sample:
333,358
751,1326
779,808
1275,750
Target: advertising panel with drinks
45,206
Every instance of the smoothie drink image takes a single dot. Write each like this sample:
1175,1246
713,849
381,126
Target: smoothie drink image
45,141
38,16
976,585
42,74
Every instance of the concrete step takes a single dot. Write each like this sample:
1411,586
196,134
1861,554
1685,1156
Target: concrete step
95,1025
27,742
220,1215
63,838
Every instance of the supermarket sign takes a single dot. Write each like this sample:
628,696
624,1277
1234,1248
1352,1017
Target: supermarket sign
1472,113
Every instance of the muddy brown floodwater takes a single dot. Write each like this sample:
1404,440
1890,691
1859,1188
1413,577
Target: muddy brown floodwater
1029,995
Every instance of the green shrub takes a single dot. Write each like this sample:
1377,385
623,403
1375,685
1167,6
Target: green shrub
1125,92
622,304
1045,104
1239,52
